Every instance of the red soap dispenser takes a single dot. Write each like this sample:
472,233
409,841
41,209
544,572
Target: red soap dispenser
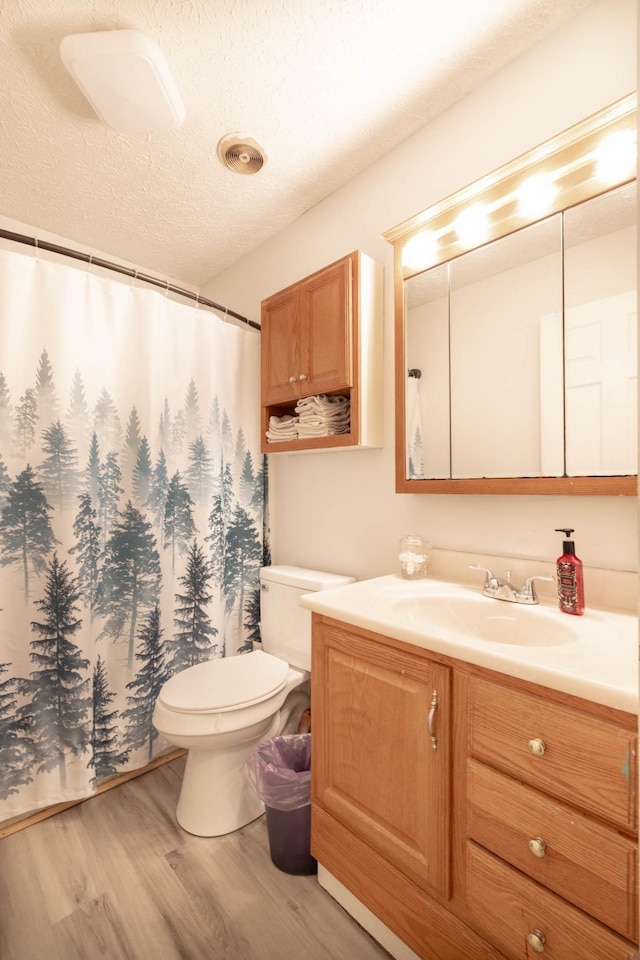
570,580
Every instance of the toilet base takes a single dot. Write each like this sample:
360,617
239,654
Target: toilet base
216,798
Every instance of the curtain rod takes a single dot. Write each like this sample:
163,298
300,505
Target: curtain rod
127,271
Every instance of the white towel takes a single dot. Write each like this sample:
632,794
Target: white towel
322,416
325,412
322,405
415,442
308,432
318,416
319,429
315,418
282,428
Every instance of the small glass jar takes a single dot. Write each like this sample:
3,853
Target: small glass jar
414,554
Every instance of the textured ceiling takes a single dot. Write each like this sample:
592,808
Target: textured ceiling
325,86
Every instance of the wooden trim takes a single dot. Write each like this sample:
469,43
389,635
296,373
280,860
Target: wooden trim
565,148
427,926
528,486
307,443
46,812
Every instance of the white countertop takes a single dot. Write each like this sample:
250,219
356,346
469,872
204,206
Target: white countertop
599,661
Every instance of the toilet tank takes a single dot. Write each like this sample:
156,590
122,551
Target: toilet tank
285,626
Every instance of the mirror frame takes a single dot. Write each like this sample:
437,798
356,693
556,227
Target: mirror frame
573,151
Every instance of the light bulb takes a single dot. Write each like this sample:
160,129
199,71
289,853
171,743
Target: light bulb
472,225
616,156
536,196
420,251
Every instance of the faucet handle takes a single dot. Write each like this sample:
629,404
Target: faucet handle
488,574
528,589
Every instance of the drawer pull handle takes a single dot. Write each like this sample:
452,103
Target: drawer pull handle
303,377
537,747
431,720
538,847
535,939
292,379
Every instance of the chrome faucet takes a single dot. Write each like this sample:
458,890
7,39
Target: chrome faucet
500,589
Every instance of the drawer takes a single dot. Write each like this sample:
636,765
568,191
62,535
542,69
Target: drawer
585,760
507,908
587,863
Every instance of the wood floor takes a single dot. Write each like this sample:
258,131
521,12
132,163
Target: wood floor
116,877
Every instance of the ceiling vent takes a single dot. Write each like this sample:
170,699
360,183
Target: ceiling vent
241,154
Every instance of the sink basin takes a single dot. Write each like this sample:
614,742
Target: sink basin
481,618
594,656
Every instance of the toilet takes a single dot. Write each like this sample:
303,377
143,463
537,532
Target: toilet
222,709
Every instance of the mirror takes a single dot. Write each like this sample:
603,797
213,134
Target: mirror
600,335
516,359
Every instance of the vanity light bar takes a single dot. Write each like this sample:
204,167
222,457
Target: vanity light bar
590,158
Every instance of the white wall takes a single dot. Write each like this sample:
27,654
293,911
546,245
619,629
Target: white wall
339,511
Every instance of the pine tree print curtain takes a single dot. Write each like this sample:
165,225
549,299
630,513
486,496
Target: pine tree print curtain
131,518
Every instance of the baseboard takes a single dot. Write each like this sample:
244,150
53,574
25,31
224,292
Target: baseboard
10,827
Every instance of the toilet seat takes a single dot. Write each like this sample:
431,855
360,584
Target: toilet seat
230,683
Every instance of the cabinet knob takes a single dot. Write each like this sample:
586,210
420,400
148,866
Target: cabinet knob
536,940
538,847
537,747
303,377
292,379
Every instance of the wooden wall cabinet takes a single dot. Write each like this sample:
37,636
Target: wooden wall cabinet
323,335
518,832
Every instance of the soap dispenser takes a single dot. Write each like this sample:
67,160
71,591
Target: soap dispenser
570,579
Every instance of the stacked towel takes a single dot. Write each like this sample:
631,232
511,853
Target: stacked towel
323,416
282,428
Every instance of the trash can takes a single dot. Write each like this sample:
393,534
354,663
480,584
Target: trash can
279,770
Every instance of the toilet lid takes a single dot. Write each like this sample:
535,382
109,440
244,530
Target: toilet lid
226,684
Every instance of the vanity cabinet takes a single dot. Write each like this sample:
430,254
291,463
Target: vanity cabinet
552,817
382,802
516,836
381,758
323,335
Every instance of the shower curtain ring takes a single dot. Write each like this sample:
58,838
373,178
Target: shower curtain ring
37,251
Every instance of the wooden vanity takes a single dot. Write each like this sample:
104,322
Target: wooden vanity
478,816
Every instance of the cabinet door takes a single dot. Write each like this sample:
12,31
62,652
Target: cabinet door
280,347
306,336
326,327
374,765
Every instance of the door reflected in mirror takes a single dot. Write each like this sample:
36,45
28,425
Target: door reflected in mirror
600,320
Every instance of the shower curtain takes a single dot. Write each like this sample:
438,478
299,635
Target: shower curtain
131,518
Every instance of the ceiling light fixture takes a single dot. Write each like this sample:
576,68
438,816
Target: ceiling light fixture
588,159
126,79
